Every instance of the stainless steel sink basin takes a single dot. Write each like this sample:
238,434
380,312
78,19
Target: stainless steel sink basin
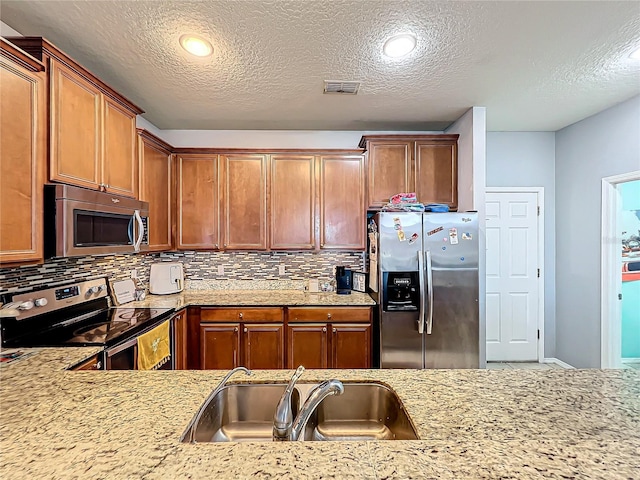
244,413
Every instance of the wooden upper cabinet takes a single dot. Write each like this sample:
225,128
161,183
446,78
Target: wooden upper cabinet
389,170
436,171
75,128
244,201
92,133
342,209
119,166
197,221
22,155
155,187
424,164
293,209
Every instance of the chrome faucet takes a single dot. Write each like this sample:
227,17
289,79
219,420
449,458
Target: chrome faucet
285,428
283,418
192,427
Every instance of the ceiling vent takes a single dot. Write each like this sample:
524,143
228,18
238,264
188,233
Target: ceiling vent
343,88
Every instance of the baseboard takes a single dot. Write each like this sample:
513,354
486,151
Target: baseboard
557,362
631,360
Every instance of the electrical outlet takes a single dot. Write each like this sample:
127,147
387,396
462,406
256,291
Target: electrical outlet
280,269
220,269
134,273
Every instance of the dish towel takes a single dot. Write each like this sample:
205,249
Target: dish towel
153,348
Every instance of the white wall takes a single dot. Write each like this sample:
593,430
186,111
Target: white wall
7,31
471,192
603,145
527,159
268,138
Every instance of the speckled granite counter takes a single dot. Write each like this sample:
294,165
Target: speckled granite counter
247,298
519,424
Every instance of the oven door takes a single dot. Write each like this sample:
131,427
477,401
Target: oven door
125,355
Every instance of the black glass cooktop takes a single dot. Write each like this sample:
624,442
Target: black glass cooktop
105,328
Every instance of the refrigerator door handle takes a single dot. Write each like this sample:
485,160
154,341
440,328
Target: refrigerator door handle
429,293
421,279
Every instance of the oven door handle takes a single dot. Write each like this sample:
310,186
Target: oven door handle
123,346
136,246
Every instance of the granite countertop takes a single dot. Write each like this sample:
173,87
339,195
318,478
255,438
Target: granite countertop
246,298
520,424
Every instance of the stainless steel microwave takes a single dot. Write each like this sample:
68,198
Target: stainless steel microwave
79,222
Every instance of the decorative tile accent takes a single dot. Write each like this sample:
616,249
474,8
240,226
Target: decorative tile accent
299,266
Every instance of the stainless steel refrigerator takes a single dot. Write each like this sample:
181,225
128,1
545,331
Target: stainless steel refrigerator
425,274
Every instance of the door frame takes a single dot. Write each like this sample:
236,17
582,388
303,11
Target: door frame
610,271
539,191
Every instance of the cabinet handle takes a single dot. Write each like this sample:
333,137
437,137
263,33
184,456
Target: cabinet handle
329,316
235,329
98,366
245,330
335,330
324,329
216,245
240,315
322,245
224,245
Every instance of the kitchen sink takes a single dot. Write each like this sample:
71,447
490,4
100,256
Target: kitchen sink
244,413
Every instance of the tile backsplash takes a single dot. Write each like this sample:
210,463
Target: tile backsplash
197,266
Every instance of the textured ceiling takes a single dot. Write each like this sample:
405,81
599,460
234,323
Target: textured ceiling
534,65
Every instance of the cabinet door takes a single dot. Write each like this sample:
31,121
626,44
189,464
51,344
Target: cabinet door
244,214
197,222
155,188
219,346
263,346
307,345
292,202
388,170
342,210
75,128
180,340
351,345
437,172
119,166
22,162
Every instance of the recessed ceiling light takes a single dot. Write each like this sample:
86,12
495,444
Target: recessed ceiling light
399,45
635,54
196,45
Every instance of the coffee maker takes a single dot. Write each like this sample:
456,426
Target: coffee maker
343,281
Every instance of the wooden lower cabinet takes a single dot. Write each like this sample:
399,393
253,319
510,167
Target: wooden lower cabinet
351,346
263,346
327,337
219,346
308,345
180,340
249,337
261,337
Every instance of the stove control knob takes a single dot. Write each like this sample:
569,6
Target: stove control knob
102,288
28,305
41,302
93,290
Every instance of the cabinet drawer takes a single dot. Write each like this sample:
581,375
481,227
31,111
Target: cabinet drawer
241,314
328,314
91,363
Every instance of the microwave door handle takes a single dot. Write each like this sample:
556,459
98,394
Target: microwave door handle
421,280
130,231
136,246
429,293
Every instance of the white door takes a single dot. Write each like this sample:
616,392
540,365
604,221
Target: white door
512,276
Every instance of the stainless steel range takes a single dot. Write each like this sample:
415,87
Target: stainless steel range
76,315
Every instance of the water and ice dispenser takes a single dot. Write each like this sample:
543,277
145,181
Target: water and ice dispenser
401,291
